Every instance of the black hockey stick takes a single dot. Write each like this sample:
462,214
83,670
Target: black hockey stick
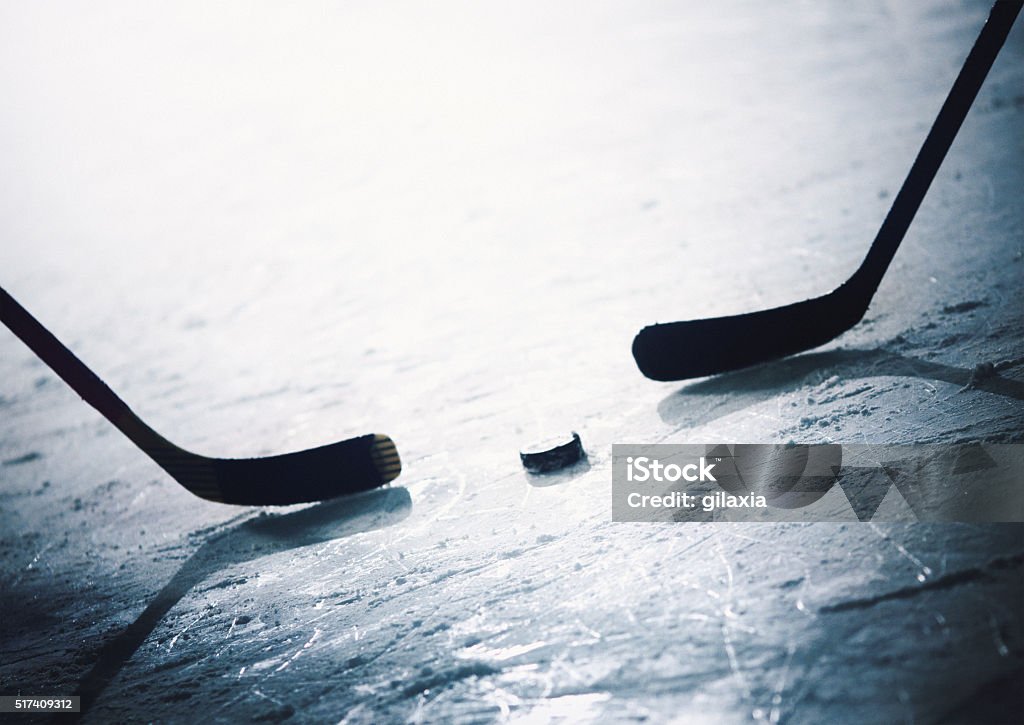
680,350
350,466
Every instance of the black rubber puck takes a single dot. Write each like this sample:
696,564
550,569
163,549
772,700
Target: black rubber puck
552,454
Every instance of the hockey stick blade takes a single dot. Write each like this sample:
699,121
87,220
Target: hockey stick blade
681,350
692,349
316,474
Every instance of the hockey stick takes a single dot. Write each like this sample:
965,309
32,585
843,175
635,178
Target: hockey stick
680,350
350,466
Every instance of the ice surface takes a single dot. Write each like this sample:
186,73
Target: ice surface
270,227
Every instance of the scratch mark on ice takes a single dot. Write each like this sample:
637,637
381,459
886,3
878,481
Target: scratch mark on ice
727,615
924,571
309,643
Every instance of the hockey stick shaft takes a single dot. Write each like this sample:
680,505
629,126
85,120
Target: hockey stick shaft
937,143
75,373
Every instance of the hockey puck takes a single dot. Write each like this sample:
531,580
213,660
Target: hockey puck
552,453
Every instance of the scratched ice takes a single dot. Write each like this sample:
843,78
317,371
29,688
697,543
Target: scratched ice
271,227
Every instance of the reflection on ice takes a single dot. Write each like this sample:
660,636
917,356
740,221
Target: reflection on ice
567,708
483,652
